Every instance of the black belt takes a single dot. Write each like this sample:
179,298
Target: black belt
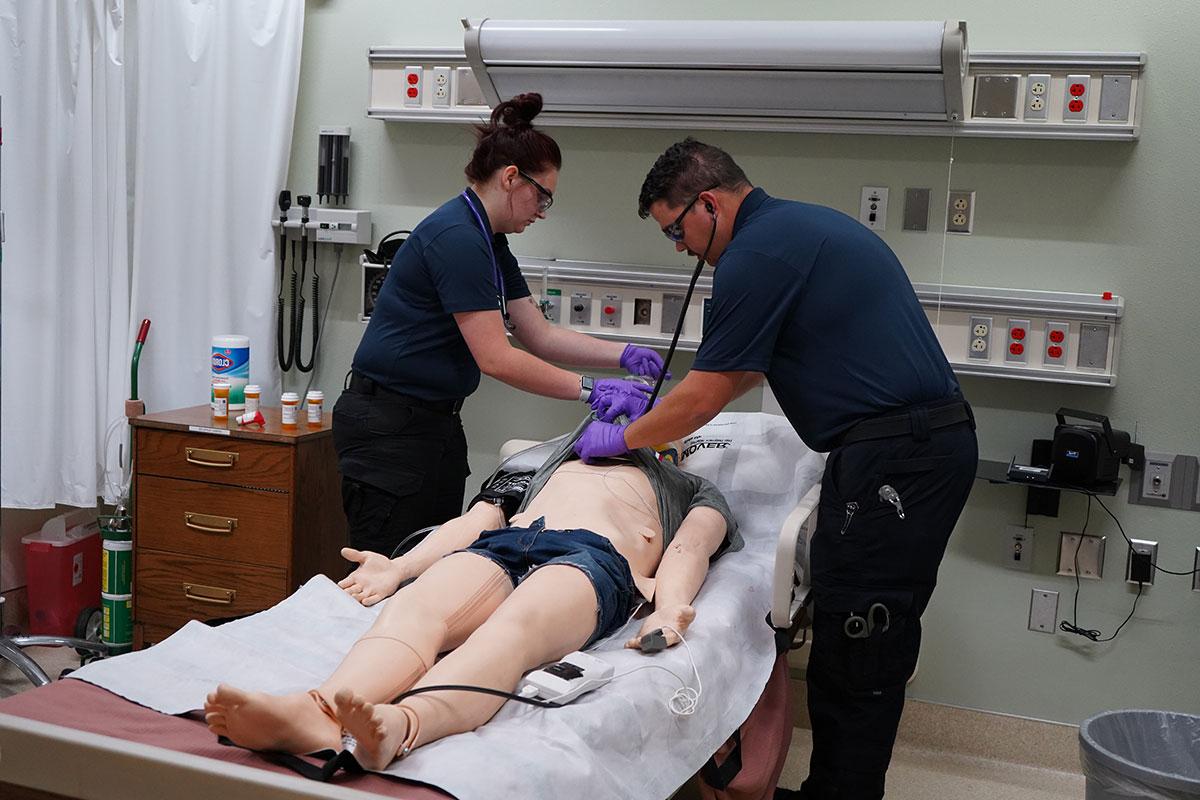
914,421
363,385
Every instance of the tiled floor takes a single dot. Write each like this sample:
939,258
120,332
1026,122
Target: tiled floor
918,774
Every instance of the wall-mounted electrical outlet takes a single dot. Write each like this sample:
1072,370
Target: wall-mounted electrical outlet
1075,98
960,212
1054,352
1043,611
1018,344
441,87
1019,550
1087,554
1037,93
979,339
872,207
1156,477
1145,547
413,79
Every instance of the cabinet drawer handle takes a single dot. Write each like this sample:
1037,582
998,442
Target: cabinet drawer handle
223,459
209,523
214,595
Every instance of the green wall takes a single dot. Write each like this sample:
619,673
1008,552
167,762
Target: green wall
1050,215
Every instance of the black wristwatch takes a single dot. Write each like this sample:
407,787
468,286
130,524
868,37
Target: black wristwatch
586,384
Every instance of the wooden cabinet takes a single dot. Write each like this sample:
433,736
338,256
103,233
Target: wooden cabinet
229,520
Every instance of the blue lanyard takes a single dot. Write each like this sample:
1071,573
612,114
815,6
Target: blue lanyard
497,277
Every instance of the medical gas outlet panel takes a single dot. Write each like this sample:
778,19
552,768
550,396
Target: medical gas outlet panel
1056,337
620,302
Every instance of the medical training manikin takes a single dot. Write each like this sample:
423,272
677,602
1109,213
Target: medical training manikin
499,595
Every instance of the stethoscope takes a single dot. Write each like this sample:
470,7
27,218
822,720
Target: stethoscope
497,277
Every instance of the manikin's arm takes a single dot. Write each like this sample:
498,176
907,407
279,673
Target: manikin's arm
681,573
378,577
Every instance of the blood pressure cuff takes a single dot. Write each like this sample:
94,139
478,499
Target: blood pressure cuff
506,490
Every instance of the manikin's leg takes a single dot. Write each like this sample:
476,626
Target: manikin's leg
434,613
552,613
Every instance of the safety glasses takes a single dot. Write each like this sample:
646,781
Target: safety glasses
674,231
547,197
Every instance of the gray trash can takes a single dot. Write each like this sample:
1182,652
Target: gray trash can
1148,754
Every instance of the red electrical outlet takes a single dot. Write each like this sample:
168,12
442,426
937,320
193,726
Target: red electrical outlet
1057,334
1018,331
1075,100
413,85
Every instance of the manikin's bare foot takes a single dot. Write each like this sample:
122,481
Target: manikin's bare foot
379,729
290,723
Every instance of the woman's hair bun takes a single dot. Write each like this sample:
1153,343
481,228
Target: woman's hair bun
517,112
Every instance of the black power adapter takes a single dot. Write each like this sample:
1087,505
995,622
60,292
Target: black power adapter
1141,569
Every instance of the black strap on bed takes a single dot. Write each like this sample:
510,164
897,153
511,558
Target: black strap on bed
719,776
331,762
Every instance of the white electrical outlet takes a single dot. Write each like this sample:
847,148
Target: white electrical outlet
1018,342
979,339
1075,98
960,212
441,87
1156,477
1054,351
1043,611
414,76
1037,94
1088,554
872,207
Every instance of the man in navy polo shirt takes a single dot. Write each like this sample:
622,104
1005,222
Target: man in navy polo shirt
819,305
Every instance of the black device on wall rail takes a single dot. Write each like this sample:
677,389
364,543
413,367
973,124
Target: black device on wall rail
1091,454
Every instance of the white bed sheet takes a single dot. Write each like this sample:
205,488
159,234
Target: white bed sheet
618,742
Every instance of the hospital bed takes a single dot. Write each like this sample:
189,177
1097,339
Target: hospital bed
74,739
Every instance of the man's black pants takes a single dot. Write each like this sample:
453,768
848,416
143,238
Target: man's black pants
864,554
403,467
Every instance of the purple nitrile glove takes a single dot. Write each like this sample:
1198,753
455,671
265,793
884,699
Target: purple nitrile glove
633,405
642,361
608,392
601,440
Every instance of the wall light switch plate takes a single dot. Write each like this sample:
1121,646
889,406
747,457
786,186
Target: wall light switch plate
872,207
1090,557
1043,611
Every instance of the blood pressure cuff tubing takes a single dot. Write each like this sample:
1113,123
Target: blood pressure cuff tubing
506,491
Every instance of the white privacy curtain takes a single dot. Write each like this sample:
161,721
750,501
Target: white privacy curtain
65,287
217,83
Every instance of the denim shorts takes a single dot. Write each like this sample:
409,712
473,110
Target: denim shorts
519,551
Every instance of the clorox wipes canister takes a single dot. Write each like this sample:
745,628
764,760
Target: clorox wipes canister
231,362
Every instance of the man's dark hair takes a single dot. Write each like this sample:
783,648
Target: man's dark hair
686,169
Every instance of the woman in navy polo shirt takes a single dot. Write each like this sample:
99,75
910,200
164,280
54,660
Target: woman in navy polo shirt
440,321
